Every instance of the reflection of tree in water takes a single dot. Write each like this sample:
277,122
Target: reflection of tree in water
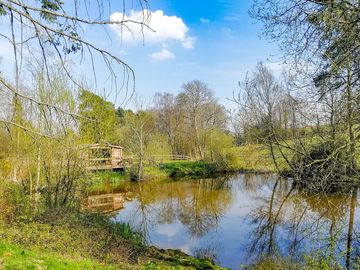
143,209
352,253
329,222
267,217
205,204
319,220
252,183
197,204
326,221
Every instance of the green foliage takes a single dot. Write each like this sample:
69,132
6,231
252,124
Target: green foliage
322,260
151,265
102,118
121,114
104,181
177,258
15,206
154,173
219,144
50,5
158,145
272,263
2,10
107,176
137,135
252,157
123,230
315,261
188,168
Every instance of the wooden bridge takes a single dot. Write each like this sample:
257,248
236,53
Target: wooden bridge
110,157
153,160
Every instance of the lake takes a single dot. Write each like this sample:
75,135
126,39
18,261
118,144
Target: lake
237,219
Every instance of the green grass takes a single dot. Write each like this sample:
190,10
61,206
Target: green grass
67,239
154,173
188,168
256,158
99,180
74,234
111,176
17,257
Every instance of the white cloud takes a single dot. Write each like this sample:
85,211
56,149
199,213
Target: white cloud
204,20
189,42
163,55
163,28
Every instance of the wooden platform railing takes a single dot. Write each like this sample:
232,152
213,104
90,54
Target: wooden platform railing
169,157
126,162
109,163
157,159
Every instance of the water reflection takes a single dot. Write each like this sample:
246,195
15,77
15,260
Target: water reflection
236,220
107,200
198,205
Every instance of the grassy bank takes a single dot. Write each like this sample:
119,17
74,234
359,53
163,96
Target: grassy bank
19,257
177,169
189,168
64,238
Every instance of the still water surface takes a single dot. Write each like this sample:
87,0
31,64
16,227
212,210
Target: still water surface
237,219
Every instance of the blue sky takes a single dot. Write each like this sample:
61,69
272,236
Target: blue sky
214,41
226,46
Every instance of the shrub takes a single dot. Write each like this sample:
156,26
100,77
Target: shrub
191,168
325,167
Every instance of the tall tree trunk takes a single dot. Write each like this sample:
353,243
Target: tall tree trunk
350,124
141,157
38,175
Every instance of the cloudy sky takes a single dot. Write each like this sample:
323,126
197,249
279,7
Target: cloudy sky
216,42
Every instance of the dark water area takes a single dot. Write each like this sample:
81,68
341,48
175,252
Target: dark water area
236,220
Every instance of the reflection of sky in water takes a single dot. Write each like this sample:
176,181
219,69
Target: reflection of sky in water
231,236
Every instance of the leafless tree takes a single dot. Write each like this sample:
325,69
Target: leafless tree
202,112
50,31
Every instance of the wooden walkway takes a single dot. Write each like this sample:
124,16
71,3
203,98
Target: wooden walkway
115,163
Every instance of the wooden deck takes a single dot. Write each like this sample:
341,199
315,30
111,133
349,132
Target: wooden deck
109,163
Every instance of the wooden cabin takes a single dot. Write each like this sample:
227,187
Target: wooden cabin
104,156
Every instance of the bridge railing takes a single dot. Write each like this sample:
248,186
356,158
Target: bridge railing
128,161
157,159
